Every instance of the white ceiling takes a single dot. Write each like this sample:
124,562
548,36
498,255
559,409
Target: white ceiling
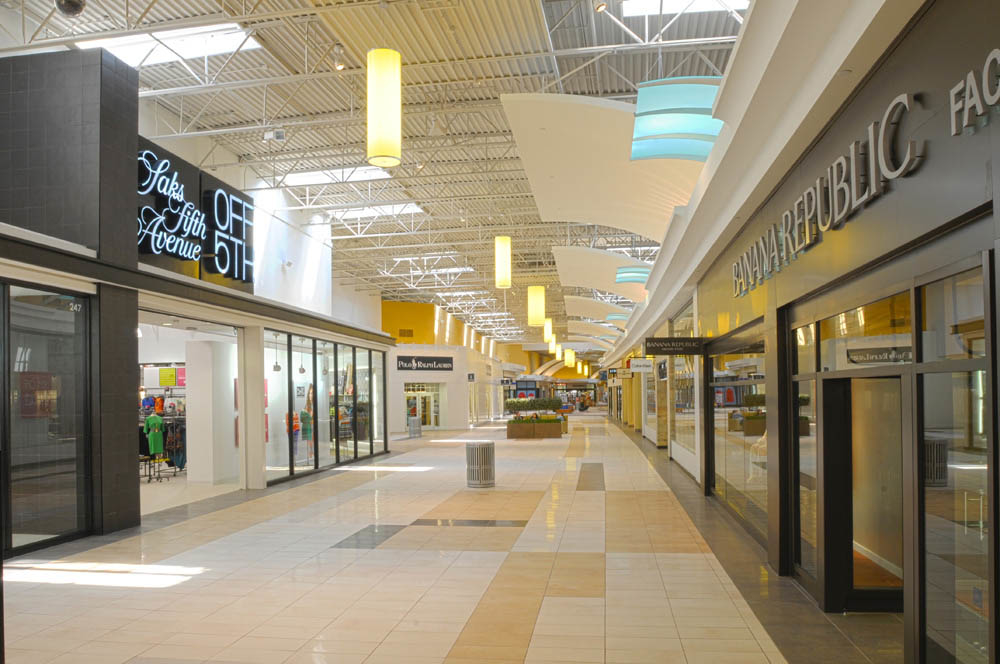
596,268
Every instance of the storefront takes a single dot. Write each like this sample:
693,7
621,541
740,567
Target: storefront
848,412
153,358
446,387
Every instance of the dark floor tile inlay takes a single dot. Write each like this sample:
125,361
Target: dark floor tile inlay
368,537
591,477
480,523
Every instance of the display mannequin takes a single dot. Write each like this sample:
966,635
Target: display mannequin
153,428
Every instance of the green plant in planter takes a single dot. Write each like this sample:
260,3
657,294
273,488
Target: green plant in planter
753,400
532,419
522,405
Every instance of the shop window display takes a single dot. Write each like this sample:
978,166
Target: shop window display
278,427
48,441
378,403
303,404
326,412
345,402
740,433
363,404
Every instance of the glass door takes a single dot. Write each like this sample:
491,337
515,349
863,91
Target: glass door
877,483
956,518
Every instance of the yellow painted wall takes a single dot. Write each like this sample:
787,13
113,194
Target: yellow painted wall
569,374
416,316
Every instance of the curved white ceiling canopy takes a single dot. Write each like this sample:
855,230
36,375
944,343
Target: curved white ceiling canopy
588,307
596,268
600,343
586,328
577,153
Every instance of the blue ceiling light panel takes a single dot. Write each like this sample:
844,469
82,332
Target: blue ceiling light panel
673,118
617,316
631,275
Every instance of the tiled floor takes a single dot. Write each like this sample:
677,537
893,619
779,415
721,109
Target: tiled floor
581,553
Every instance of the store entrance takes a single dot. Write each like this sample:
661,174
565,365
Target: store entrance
188,411
867,418
422,401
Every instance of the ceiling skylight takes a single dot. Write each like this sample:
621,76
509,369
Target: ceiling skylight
335,175
174,45
379,211
653,7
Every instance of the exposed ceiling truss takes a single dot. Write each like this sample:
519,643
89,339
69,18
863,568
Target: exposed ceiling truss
461,166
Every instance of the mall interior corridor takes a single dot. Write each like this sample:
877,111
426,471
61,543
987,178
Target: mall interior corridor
581,553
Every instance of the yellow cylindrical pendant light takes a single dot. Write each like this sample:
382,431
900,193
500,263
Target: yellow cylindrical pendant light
536,306
501,245
586,368
559,353
385,108
569,357
552,345
547,330
579,366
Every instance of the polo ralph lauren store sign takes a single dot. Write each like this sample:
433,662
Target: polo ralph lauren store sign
191,223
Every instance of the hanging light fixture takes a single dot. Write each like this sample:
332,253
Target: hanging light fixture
586,368
552,345
569,357
536,306
600,6
579,366
385,110
501,245
559,353
547,333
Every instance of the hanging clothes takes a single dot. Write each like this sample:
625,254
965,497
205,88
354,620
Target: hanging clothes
153,429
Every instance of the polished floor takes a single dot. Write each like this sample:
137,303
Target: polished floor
581,553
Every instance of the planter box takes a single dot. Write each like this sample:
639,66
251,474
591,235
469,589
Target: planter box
754,426
548,429
565,425
520,430
804,426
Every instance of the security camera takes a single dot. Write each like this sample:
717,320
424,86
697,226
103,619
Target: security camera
71,8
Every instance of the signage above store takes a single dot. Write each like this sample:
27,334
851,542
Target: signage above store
850,183
192,223
422,363
884,355
640,365
624,373
674,345
973,96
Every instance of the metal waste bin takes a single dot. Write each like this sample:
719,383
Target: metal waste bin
413,425
480,463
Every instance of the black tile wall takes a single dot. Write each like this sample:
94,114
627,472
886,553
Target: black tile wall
115,438
68,128
119,123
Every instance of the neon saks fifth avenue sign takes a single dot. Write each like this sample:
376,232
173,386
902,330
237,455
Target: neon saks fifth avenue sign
215,231
851,182
175,225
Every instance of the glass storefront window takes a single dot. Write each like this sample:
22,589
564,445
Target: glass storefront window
303,404
952,322
326,411
378,403
870,335
805,444
805,349
362,423
956,517
345,401
277,427
49,476
740,433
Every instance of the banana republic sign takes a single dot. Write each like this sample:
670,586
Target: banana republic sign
859,177
851,182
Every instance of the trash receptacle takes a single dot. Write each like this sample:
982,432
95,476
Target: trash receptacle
480,462
413,425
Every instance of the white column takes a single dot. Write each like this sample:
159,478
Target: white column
251,378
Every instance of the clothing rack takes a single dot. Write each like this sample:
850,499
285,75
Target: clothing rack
174,455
